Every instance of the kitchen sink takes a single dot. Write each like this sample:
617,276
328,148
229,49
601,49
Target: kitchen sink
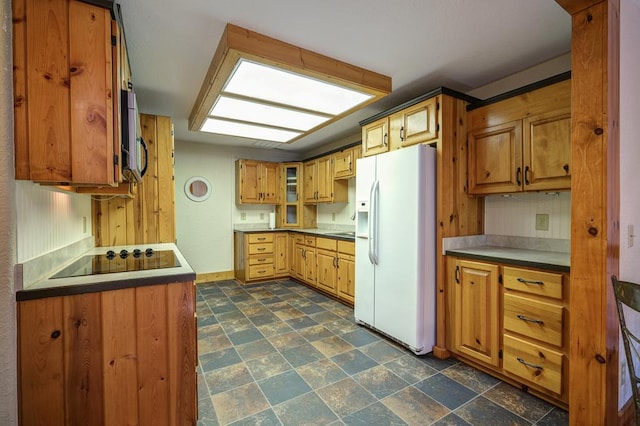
343,234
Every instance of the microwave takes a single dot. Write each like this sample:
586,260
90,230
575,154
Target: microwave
134,148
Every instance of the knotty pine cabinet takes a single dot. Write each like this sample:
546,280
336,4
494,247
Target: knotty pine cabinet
257,182
260,256
414,124
150,216
344,162
327,264
109,358
512,322
319,184
67,58
346,276
476,304
522,143
291,212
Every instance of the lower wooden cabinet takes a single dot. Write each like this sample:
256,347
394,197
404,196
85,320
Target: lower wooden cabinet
324,263
518,330
346,271
476,317
109,358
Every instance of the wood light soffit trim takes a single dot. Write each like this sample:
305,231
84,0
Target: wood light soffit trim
239,43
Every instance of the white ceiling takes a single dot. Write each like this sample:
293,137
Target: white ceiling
420,44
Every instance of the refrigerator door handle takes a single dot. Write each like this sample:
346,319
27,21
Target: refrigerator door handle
373,223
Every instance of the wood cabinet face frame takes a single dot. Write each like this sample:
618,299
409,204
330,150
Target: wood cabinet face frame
257,182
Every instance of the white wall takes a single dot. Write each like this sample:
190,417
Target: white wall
516,215
205,229
8,376
629,157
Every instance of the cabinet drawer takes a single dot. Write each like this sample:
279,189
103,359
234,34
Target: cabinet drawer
260,248
260,238
260,271
258,259
299,239
326,244
534,363
309,241
534,282
347,247
533,318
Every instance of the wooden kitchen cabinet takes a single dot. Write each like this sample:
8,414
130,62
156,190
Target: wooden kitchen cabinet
526,321
416,123
327,264
292,212
476,304
291,253
150,216
344,162
346,271
257,182
319,185
280,263
375,137
113,357
66,56
522,143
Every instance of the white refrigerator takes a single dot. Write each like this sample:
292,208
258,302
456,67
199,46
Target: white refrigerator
395,245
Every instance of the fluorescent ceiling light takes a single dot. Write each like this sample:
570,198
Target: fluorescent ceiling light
245,130
261,88
251,111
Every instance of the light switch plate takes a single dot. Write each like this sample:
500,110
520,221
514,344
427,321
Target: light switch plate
542,222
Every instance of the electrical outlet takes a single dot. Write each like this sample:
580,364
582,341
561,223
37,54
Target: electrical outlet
261,216
333,217
84,224
630,236
243,216
542,222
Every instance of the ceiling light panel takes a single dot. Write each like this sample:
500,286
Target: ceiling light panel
309,90
280,86
245,110
244,130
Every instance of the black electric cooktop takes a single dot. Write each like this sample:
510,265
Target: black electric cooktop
122,261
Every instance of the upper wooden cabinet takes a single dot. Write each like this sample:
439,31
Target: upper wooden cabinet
291,212
375,137
522,143
319,185
67,81
344,162
410,125
257,182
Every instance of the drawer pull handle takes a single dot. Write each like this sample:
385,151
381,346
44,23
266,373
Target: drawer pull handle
262,272
261,260
261,249
527,319
262,239
528,364
523,281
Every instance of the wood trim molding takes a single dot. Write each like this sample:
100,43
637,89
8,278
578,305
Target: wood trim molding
595,200
626,415
214,276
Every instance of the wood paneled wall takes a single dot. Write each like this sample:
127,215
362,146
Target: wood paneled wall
120,357
150,216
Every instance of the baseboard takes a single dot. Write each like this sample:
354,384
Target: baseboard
214,276
626,415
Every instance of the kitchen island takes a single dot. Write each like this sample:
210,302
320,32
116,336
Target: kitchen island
112,348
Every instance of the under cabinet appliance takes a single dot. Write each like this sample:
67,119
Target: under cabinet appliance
395,245
133,146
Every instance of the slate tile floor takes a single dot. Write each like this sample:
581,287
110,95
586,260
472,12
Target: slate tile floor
278,353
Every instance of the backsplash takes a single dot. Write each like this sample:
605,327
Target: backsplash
515,215
48,219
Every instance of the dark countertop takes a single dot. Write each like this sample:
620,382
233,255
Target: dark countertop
48,287
549,260
318,232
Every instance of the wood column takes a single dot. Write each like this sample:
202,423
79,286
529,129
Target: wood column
595,200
